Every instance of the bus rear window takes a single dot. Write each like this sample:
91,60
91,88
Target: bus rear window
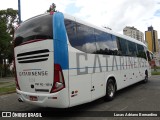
33,29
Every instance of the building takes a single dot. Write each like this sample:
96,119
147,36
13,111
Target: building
134,33
151,38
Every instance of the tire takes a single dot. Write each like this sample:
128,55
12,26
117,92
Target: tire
110,90
146,77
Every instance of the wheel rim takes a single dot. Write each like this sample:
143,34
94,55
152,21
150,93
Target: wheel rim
111,90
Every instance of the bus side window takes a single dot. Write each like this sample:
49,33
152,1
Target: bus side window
81,36
124,47
85,39
119,47
148,56
71,31
115,45
104,42
132,49
141,51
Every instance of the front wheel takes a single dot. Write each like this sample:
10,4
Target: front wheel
146,77
110,90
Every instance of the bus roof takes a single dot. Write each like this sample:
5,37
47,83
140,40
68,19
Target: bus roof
34,17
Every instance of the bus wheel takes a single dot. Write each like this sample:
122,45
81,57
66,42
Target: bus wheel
146,77
110,90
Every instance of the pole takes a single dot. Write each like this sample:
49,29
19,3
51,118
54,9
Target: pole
19,10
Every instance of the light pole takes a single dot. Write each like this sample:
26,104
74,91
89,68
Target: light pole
19,10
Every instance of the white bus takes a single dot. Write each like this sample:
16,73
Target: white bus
61,61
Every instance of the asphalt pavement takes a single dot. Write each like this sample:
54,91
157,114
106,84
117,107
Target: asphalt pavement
138,97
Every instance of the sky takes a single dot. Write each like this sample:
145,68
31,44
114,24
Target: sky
115,14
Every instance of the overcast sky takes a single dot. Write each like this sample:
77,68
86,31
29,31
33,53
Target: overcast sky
115,14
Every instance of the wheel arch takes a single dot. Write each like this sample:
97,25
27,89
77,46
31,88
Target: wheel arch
146,72
114,80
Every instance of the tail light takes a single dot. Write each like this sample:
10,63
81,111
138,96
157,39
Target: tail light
15,71
16,79
59,83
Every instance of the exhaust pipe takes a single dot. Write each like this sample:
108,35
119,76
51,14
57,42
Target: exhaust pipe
20,99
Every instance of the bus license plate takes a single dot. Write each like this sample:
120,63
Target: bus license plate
33,98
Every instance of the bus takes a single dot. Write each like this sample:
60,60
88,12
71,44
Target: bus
62,61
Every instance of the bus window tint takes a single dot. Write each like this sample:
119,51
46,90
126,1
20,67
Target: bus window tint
104,43
115,46
71,31
90,40
132,49
123,46
119,47
141,51
36,28
149,56
81,37
86,39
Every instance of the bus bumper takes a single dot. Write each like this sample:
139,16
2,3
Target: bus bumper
55,100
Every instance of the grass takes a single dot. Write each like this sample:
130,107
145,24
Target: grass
2,83
10,88
155,73
157,67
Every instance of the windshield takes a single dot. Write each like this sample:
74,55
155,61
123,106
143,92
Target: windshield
35,28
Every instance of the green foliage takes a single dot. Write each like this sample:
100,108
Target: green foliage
10,18
8,21
5,39
52,8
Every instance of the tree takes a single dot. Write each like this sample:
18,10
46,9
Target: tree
5,39
8,20
52,8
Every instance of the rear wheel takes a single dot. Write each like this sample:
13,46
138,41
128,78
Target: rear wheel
110,90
